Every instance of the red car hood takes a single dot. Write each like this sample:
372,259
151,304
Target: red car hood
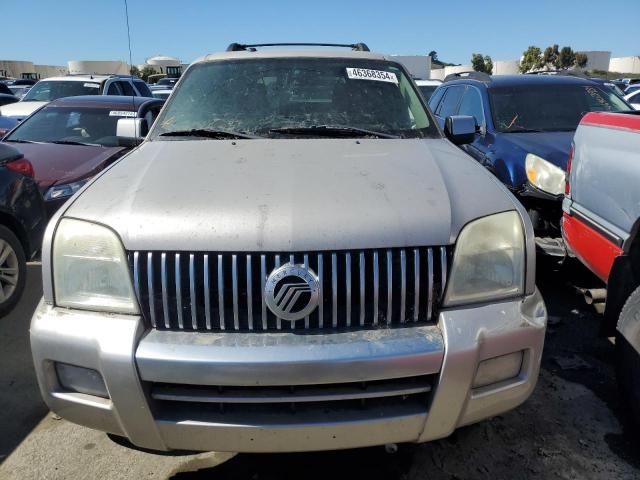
60,164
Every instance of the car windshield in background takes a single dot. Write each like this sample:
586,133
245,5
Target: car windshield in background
548,108
68,126
292,97
47,91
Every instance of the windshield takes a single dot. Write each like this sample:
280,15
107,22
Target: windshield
68,125
49,90
548,108
259,96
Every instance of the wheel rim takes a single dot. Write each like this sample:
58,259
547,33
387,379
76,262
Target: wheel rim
9,271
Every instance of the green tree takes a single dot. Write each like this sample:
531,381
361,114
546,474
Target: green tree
531,59
551,56
134,71
482,64
567,58
146,71
434,55
581,59
488,63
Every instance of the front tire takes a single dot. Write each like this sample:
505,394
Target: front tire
13,270
628,362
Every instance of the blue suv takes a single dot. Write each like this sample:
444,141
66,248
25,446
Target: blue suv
524,130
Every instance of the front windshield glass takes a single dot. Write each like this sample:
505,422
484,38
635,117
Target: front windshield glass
49,90
549,108
256,96
68,125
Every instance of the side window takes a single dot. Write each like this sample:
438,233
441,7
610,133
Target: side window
127,88
472,105
114,89
435,98
142,88
451,100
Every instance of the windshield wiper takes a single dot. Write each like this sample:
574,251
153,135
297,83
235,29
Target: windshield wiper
329,130
20,141
523,130
208,133
71,142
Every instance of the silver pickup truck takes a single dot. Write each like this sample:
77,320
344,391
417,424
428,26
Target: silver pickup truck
601,226
295,258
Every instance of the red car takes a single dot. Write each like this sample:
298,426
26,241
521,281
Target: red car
71,139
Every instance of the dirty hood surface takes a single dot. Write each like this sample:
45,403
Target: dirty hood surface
290,195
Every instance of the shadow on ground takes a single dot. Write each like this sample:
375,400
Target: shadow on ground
21,407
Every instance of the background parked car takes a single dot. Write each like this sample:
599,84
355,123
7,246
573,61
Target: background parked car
22,224
634,99
71,139
7,99
525,124
73,85
601,227
162,93
19,90
6,124
4,89
427,87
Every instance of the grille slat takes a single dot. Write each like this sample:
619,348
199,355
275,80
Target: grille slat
209,291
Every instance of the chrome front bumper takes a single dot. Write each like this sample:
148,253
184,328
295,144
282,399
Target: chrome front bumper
135,362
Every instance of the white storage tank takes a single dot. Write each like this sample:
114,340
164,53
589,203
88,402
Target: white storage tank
597,60
15,68
506,67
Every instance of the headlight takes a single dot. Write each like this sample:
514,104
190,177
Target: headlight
489,261
90,269
544,175
66,190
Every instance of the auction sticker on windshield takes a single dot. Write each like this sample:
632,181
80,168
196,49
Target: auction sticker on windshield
376,75
122,113
92,85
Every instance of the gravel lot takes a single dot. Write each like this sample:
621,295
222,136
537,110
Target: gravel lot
569,429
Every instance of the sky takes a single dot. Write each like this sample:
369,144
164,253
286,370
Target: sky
51,32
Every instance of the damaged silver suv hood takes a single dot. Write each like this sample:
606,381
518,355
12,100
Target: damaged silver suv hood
290,195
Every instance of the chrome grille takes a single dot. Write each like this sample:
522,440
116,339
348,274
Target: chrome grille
203,291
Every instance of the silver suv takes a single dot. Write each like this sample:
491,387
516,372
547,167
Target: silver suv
295,259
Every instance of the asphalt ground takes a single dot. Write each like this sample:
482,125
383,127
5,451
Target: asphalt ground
571,428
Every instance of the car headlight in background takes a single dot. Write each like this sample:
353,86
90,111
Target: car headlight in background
64,191
90,269
544,175
489,261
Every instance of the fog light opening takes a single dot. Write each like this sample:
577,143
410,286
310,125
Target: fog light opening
498,369
81,380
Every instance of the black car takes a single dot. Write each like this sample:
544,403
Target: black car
22,224
4,89
6,99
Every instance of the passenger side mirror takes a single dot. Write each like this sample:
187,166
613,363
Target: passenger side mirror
131,128
460,129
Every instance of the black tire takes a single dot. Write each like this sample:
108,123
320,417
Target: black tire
628,363
8,239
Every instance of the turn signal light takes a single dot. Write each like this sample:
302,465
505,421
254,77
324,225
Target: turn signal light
22,166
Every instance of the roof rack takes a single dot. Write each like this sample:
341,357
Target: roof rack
239,47
562,73
481,76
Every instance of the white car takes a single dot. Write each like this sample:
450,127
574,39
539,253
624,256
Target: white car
162,93
71,86
633,99
427,87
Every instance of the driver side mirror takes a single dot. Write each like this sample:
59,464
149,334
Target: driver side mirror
460,129
131,127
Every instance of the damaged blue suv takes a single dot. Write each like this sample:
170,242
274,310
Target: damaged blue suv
524,130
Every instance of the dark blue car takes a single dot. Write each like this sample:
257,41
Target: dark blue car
525,126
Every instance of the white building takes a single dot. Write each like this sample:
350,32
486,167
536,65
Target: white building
625,64
98,67
506,67
597,60
160,63
45,71
16,68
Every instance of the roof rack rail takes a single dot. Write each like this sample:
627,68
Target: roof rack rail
481,76
239,47
562,73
